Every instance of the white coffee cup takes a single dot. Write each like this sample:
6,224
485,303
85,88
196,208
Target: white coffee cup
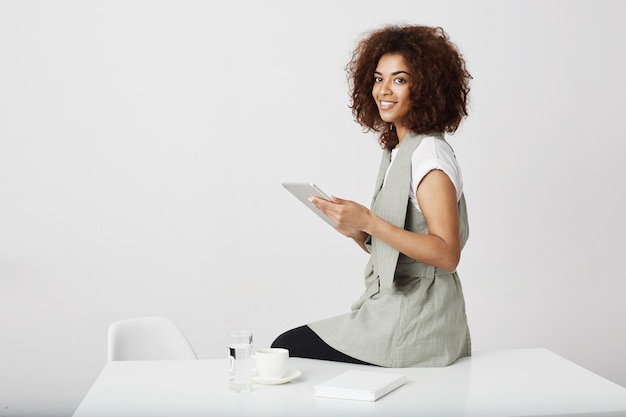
271,363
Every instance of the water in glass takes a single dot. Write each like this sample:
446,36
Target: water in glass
240,358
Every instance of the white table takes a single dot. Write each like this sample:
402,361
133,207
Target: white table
525,382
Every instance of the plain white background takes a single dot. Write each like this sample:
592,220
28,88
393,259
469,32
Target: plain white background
143,143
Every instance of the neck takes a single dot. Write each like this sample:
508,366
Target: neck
401,131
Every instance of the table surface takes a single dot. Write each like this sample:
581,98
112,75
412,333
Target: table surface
519,382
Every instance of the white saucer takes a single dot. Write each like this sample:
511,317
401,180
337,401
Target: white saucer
291,375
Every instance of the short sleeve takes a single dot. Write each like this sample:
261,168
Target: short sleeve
434,153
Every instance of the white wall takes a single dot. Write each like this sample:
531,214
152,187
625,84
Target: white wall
142,146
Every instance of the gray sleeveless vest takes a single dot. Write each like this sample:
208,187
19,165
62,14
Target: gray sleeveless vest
411,313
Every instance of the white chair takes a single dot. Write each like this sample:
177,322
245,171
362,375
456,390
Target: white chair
148,338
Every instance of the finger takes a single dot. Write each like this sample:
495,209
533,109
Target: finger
315,200
320,203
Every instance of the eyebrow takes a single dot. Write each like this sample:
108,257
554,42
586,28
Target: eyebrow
393,73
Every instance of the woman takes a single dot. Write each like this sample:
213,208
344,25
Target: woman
410,85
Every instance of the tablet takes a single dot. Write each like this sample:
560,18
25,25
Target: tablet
302,191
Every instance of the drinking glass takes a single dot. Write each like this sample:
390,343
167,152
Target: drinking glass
240,361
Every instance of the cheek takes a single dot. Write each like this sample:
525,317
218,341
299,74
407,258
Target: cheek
406,100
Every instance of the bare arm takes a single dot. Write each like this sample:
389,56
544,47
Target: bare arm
437,199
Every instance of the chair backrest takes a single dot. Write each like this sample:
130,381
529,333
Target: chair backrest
148,338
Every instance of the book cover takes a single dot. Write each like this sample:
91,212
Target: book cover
360,385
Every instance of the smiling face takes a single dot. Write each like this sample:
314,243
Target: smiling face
391,90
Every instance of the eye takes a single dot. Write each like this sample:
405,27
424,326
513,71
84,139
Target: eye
378,79
400,80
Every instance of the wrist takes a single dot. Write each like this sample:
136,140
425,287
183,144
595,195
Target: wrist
372,224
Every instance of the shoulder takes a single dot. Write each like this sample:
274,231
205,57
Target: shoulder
435,153
433,148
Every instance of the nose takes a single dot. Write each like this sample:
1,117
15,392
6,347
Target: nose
385,88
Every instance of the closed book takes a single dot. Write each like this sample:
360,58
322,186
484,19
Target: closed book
360,385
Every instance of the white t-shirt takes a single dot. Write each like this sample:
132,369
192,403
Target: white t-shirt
433,153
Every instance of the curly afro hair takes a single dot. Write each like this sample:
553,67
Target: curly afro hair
440,81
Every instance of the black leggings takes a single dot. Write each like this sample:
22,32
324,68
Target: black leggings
302,342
